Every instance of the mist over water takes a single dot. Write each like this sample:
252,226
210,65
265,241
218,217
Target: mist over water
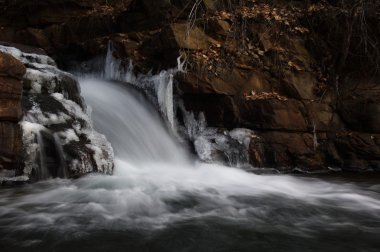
160,200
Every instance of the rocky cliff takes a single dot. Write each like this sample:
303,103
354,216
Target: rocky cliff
302,75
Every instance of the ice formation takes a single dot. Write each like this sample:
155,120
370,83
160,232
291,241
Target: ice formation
217,145
55,124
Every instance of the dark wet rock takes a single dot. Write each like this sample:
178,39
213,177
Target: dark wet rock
11,72
10,146
361,113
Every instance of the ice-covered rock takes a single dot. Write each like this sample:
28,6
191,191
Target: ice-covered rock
58,137
217,145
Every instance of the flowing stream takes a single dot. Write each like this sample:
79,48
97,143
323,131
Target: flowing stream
159,199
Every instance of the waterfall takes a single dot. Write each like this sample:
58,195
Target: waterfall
165,97
159,87
136,131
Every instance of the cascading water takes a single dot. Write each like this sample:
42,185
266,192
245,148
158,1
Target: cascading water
159,88
121,116
160,200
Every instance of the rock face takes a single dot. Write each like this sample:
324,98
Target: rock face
11,73
62,28
284,70
45,131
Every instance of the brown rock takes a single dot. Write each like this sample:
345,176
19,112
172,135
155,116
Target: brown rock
10,110
11,67
10,87
11,71
285,151
218,27
300,84
358,151
10,146
273,114
210,4
59,27
233,111
235,82
191,37
362,114
323,117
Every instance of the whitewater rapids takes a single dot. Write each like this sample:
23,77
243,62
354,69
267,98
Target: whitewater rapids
160,200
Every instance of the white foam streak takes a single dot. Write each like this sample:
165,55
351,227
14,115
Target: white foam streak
155,194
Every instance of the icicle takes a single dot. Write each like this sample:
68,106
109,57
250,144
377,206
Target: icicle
315,138
169,102
43,172
62,160
129,75
165,96
112,66
181,65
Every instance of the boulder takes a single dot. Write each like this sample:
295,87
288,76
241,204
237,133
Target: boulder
11,72
11,67
10,147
